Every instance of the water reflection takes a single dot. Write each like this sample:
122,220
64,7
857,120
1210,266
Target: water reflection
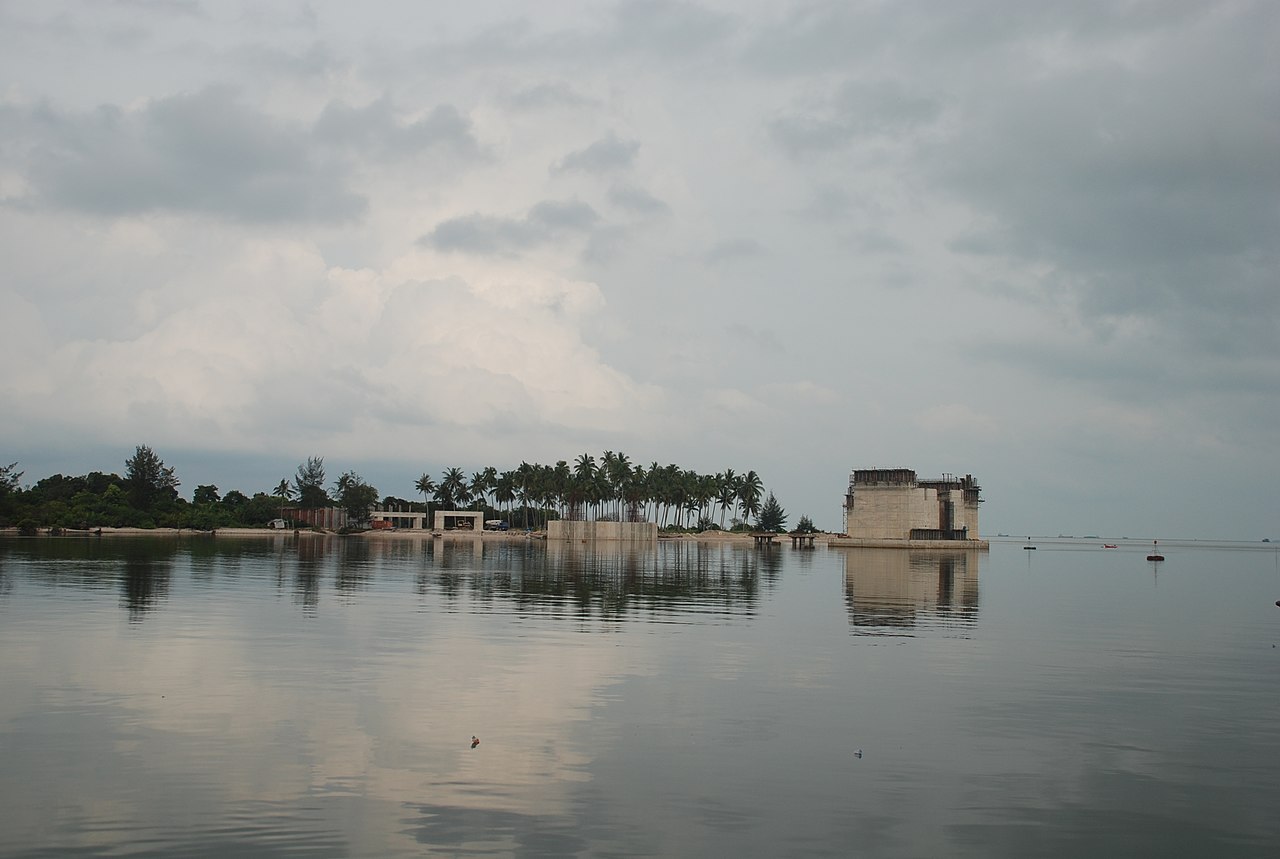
146,578
657,581
896,591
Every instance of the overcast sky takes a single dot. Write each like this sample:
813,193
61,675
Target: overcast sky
1035,242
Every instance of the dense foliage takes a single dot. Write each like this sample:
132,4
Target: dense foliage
772,516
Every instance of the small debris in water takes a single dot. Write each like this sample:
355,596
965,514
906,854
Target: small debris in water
858,753
475,741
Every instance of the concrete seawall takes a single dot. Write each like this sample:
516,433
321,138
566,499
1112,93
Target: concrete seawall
871,543
585,532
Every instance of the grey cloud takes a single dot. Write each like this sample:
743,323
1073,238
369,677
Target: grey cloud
671,31
608,153
375,128
546,95
180,8
204,152
316,60
491,235
733,249
1146,195
859,109
818,37
668,28
637,200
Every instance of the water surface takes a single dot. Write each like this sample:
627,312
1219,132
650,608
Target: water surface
317,697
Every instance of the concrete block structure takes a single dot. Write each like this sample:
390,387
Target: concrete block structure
566,530
892,504
396,519
458,520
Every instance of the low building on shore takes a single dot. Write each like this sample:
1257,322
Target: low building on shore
892,507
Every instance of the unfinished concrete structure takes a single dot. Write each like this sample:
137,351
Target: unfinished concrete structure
458,520
581,532
891,504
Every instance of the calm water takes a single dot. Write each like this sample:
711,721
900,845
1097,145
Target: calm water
317,697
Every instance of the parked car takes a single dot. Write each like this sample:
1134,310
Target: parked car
496,525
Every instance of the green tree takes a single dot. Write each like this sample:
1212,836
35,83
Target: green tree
355,496
452,492
9,477
148,480
205,494
284,492
504,490
772,516
749,490
257,511
806,526
310,483
726,492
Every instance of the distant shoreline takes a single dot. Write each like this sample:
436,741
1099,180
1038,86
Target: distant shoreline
389,534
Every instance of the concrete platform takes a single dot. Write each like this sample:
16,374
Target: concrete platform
866,543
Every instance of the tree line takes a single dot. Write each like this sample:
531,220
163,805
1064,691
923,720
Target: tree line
609,489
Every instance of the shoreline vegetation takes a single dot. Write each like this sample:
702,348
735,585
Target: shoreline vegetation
744,537
524,499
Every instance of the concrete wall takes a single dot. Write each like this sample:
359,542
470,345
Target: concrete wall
578,532
888,512
442,516
966,514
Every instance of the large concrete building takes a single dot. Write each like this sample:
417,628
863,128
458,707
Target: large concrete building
891,504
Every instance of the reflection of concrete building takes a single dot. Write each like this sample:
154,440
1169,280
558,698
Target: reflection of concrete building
887,505
888,589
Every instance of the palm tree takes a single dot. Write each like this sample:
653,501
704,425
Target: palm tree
558,479
726,491
617,468
636,494
526,481
749,493
504,489
479,486
426,486
452,490
490,475
284,492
